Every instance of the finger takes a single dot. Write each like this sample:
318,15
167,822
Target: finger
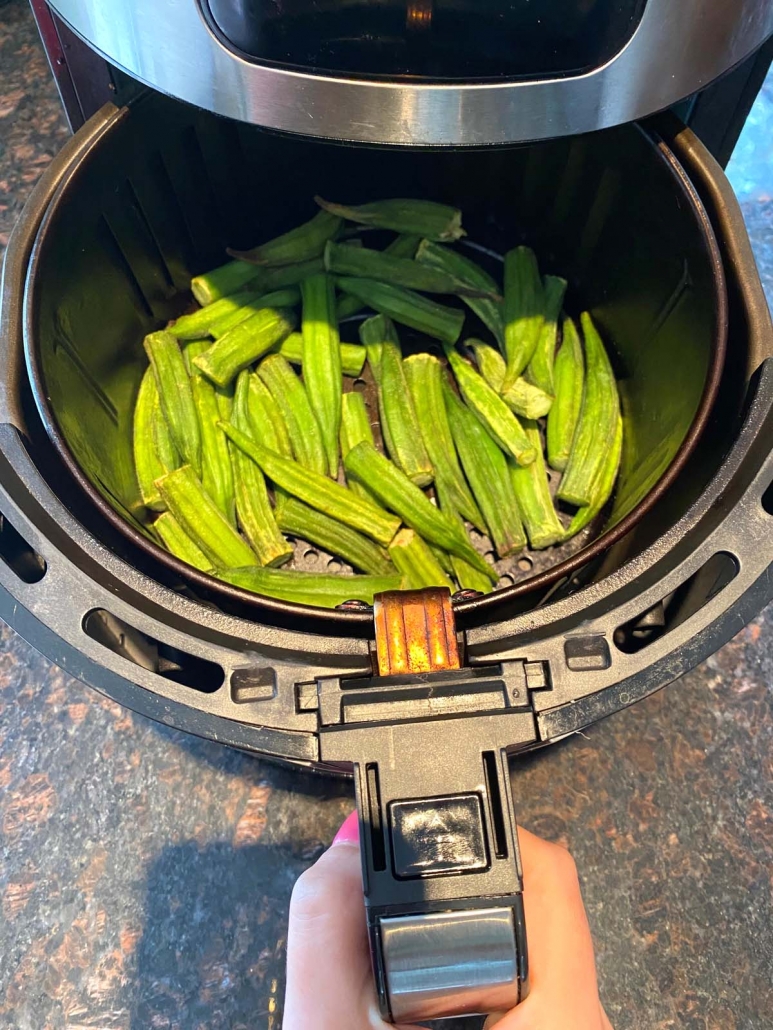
329,980
563,988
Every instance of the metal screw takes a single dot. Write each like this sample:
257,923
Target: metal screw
354,606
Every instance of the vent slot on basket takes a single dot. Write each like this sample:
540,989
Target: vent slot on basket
678,606
17,554
162,659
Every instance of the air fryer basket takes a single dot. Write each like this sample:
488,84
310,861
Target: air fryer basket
645,225
201,656
615,214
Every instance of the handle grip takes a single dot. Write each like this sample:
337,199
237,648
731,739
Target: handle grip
441,867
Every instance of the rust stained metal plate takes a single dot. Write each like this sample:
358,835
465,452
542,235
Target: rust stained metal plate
415,631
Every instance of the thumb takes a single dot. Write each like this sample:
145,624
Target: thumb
329,979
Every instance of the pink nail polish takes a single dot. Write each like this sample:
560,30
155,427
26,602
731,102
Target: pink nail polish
349,833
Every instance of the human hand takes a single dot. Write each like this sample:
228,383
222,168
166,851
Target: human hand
329,980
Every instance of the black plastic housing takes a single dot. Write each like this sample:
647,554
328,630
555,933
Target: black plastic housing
621,626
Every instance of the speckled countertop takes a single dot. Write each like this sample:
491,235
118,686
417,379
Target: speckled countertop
144,875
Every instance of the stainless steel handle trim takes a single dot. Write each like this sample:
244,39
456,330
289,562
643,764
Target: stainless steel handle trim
450,963
679,47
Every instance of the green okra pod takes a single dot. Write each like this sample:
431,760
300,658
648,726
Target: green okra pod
470,578
403,246
318,491
415,560
253,508
322,362
290,297
355,427
396,492
199,323
488,309
407,307
486,468
303,243
523,311
216,472
202,520
299,520
265,421
492,411
569,378
179,543
422,217
319,590
523,397
175,395
532,489
596,426
222,282
245,343
352,354
364,263
540,368
425,375
291,398
151,461
399,423
603,487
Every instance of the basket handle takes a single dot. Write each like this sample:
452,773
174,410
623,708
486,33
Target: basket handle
441,868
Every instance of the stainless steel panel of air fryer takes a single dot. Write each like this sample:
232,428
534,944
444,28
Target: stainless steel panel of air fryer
425,72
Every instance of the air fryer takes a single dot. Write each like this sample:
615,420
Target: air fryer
640,219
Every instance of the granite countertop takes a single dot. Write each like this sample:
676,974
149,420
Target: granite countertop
145,875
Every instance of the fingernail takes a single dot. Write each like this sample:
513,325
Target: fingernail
349,833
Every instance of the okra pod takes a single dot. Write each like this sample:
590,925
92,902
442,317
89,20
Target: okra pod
150,462
403,246
415,560
603,487
352,354
318,491
532,490
470,578
202,520
179,543
303,243
245,343
540,368
396,492
290,297
322,362
569,376
222,282
523,397
399,423
298,519
372,332
596,426
523,311
492,411
425,375
407,307
422,217
490,311
199,323
265,421
486,468
175,395
375,264
355,427
291,398
216,472
319,590
253,508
